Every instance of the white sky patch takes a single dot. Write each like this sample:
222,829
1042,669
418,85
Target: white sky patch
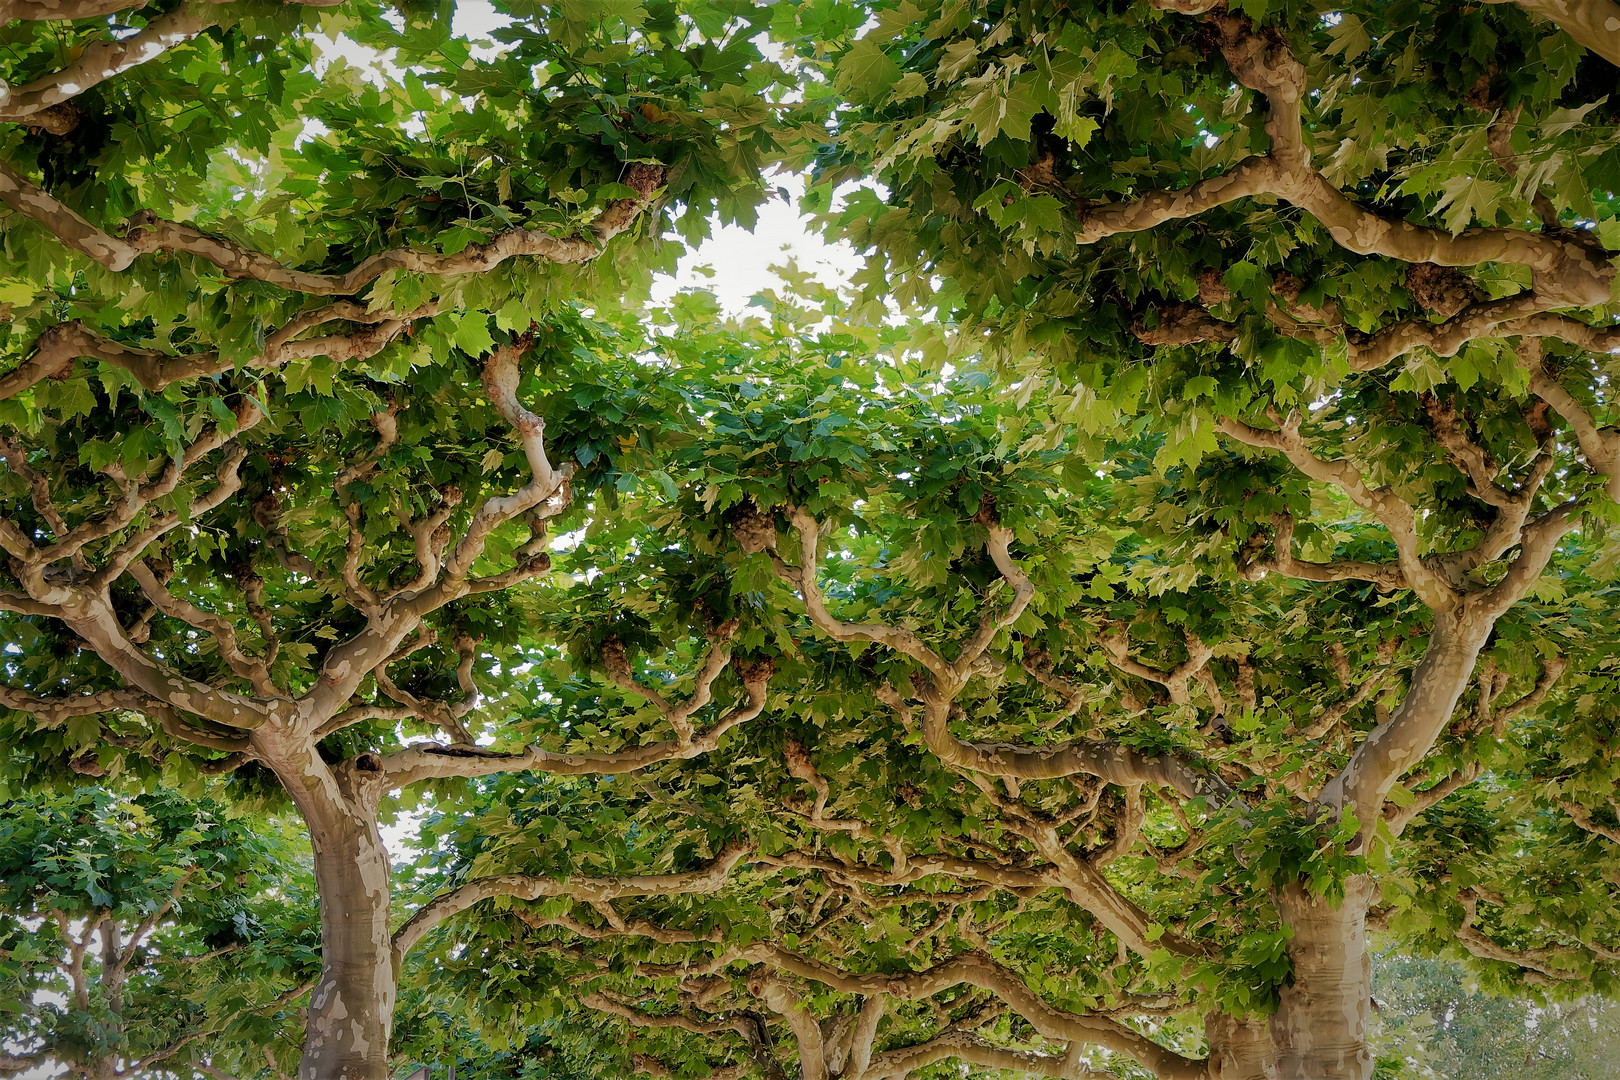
736,264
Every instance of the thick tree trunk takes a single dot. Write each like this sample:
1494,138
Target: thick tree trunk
1320,1027
1239,1048
351,1010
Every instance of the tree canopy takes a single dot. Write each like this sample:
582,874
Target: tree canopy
1176,569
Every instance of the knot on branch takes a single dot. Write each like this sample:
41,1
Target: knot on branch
986,514
58,119
755,672
88,764
644,179
141,230
62,340
1212,288
797,759
1183,324
1443,290
450,494
615,660
754,529
267,512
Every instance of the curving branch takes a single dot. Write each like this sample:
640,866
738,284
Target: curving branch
59,346
1395,513
1387,578
429,761
1536,962
41,99
71,10
803,580
1567,268
147,233
1117,649
977,969
1584,820
780,997
972,1049
1113,762
708,879
52,711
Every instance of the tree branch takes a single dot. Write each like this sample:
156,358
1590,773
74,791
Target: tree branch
977,969
146,232
1568,269
1396,515
970,1048
103,60
427,761
1594,24
531,887
1386,577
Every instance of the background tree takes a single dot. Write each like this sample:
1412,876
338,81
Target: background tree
148,933
1437,1014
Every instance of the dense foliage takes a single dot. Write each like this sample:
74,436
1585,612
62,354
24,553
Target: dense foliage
1177,570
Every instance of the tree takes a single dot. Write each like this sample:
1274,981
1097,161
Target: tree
1131,694
1059,788
1459,1030
142,933
210,219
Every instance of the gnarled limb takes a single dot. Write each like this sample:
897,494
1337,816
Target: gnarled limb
974,1050
52,711
427,761
1117,649
1568,269
102,60
1386,577
69,10
532,887
222,630
1395,513
1583,818
917,868
1113,762
1534,961
780,997
146,233
59,346
803,580
979,970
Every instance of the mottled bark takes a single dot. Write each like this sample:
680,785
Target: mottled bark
1594,24
1320,1027
351,1009
1438,684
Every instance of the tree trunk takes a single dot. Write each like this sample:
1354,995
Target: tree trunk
1320,1027
1239,1048
351,1010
